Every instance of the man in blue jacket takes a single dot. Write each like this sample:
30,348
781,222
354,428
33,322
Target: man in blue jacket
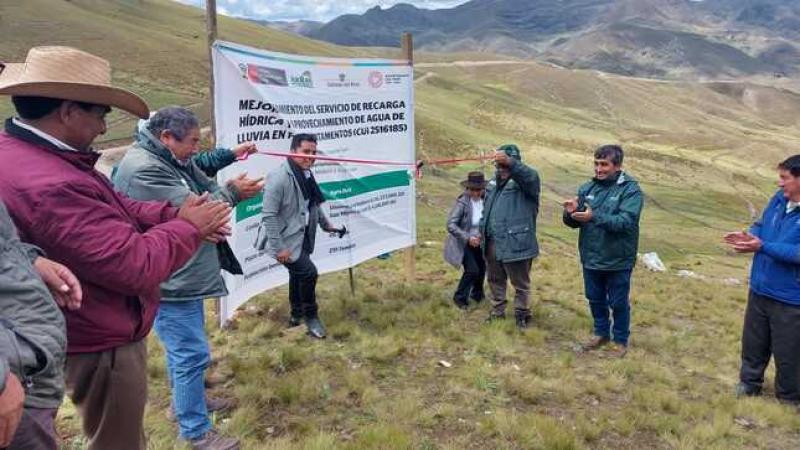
607,211
772,319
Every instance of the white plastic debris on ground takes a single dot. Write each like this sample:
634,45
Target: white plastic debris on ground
689,274
653,262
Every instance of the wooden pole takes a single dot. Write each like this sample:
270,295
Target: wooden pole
407,43
211,31
352,282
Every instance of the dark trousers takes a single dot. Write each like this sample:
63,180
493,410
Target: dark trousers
303,287
471,283
500,273
109,389
36,430
772,328
608,293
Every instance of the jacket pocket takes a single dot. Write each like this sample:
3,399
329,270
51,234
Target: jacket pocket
25,358
520,238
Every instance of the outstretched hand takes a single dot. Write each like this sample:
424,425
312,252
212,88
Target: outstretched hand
743,242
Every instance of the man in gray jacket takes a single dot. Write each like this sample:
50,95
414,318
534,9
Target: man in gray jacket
160,167
32,340
292,210
508,229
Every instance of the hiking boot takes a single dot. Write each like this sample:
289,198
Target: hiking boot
220,404
493,316
295,321
212,440
747,390
523,319
213,404
594,343
315,328
618,350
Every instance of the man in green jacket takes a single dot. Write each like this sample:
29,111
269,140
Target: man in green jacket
508,232
607,211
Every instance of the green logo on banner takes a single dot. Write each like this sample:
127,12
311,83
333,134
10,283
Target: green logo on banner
249,208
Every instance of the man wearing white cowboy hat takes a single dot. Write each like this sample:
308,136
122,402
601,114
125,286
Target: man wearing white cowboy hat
120,249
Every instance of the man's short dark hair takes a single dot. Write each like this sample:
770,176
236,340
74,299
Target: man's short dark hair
298,139
34,108
613,153
791,165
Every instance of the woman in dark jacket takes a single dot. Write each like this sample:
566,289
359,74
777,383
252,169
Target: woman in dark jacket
463,245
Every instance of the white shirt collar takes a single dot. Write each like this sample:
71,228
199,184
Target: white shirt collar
791,206
60,144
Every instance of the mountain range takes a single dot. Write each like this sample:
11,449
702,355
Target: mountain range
654,38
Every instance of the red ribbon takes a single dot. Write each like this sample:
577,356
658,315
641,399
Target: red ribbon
417,166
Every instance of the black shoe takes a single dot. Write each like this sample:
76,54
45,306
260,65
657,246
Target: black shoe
295,321
461,305
495,317
747,390
478,300
315,328
523,319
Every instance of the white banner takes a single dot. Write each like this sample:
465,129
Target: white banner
361,109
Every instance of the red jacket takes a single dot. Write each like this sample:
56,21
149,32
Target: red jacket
120,249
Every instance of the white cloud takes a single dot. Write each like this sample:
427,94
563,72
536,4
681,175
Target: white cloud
322,10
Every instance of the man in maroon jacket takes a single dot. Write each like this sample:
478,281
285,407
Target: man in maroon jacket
120,249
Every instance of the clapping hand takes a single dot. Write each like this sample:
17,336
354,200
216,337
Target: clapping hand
247,187
743,242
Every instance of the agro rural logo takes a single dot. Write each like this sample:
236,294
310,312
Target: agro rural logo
303,80
342,82
375,79
264,75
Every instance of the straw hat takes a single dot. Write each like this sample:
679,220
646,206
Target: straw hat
69,74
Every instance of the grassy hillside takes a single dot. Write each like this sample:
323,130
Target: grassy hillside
704,154
158,47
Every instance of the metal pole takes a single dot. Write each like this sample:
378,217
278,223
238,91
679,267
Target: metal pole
407,43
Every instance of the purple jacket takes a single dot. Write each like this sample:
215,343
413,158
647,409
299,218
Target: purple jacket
120,249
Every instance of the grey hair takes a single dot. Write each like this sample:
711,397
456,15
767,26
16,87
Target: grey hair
175,119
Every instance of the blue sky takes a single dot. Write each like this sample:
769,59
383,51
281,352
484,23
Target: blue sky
322,10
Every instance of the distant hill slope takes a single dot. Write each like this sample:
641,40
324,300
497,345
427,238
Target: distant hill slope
157,47
662,38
